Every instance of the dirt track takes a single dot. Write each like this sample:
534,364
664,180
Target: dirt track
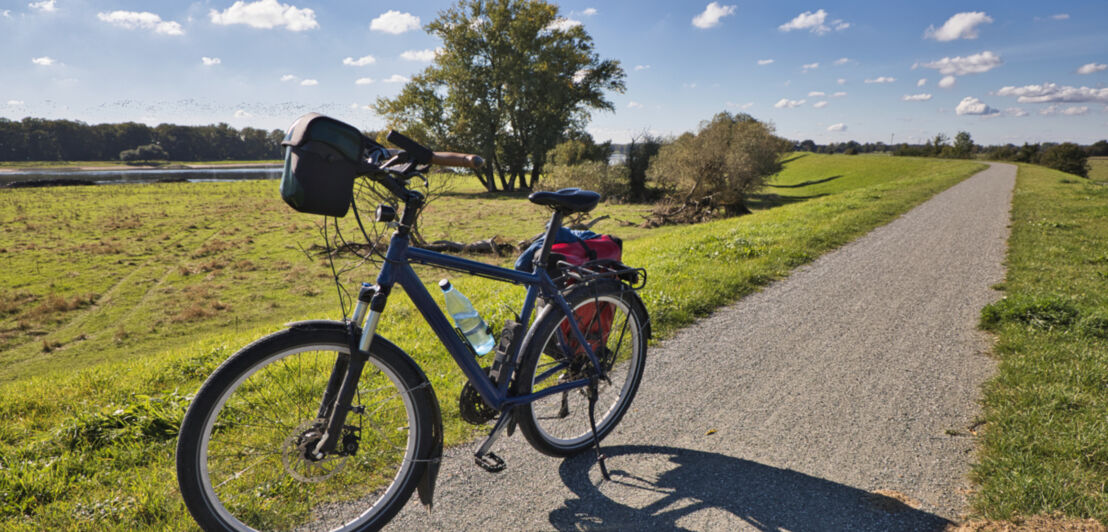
842,398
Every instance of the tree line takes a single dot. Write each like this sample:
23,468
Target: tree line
40,139
1066,156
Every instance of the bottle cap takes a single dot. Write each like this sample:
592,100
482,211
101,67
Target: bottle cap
444,284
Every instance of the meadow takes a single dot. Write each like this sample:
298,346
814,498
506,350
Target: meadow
1046,412
118,301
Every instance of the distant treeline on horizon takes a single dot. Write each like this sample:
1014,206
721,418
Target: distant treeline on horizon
39,139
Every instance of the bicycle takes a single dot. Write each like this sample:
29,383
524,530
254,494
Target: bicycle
328,424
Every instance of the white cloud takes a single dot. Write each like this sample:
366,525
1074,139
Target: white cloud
921,82
947,82
841,81
361,61
1068,111
816,94
960,66
839,94
44,61
1051,92
634,105
837,127
973,106
15,103
424,56
785,102
210,61
820,104
922,97
960,26
363,81
764,62
144,20
882,79
46,6
642,67
7,13
814,22
1015,111
1060,16
239,113
589,12
711,15
309,83
842,60
289,77
395,78
1091,68
265,14
395,22
563,24
809,66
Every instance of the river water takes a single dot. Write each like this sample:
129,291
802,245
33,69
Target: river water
145,175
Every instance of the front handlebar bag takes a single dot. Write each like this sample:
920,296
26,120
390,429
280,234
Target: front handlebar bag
321,161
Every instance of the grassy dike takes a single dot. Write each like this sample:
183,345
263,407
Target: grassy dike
1045,442
92,448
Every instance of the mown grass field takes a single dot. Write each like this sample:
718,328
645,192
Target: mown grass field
120,300
1045,443
1098,169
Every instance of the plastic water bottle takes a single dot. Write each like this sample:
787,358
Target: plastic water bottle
467,319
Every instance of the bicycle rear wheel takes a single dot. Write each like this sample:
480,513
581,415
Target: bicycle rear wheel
611,317
242,460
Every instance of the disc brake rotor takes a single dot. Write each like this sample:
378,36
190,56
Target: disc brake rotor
298,447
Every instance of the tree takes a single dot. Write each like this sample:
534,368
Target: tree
643,148
511,79
1098,149
1067,157
715,168
963,146
578,148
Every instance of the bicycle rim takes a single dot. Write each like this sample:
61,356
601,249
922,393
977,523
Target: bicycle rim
561,420
253,467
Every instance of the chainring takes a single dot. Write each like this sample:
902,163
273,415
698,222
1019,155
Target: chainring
472,408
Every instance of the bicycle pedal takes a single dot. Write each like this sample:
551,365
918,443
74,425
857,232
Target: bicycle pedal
490,462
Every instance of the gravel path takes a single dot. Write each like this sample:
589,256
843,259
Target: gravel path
841,398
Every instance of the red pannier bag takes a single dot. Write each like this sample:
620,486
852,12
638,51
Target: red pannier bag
595,323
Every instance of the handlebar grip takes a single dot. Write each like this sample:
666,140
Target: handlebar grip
464,160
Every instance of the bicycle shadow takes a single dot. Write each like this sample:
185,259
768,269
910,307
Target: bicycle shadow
654,487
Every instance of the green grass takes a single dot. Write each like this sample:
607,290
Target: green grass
1045,445
91,398
1098,169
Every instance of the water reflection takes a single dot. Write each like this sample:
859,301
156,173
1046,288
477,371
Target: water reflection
145,175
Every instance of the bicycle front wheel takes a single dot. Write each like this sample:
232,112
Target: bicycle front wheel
243,456
612,319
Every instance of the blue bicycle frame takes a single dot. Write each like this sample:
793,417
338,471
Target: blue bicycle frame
397,269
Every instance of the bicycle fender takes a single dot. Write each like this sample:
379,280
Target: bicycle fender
433,457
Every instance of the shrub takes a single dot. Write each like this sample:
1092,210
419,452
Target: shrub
1066,157
609,181
718,166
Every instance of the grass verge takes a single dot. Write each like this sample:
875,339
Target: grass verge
1044,448
92,447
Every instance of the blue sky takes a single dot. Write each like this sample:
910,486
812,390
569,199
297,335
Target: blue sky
1010,71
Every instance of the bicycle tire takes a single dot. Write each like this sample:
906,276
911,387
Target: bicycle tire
558,425
240,459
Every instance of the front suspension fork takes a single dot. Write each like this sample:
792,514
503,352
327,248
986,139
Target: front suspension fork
343,383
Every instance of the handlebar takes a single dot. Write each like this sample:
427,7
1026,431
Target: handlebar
463,160
422,155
